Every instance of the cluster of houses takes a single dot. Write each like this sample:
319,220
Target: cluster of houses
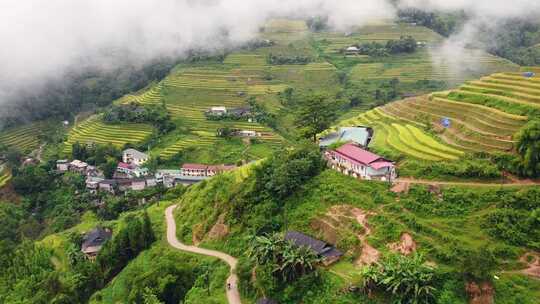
352,158
131,175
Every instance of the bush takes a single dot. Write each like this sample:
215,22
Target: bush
407,279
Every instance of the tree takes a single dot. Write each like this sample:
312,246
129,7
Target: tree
109,168
314,114
288,260
478,265
528,147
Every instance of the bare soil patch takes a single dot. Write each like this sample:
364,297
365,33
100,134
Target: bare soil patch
219,230
532,260
405,246
480,293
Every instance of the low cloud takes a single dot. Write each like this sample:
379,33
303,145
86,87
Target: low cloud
43,39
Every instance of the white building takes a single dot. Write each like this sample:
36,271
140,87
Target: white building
132,156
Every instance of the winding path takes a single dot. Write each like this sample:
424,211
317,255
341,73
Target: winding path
475,184
233,296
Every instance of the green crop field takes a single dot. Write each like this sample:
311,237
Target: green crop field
476,125
5,176
25,138
93,130
403,136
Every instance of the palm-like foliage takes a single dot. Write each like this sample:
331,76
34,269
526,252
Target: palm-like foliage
409,280
290,261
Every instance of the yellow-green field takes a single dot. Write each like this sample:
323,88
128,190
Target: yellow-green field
25,138
93,130
5,176
405,137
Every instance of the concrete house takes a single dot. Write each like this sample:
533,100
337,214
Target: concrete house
94,240
78,166
62,165
218,111
360,136
108,185
357,162
352,50
131,170
134,157
92,184
194,169
327,252
138,184
246,133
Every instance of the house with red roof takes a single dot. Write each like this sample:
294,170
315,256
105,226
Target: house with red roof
357,162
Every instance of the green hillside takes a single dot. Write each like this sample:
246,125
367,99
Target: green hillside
443,227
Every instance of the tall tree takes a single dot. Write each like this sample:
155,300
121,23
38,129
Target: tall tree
314,114
528,148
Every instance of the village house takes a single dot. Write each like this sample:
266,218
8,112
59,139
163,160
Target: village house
131,170
194,169
246,133
204,170
123,185
94,240
327,252
92,184
360,136
62,165
78,166
352,160
138,184
92,171
134,157
151,181
108,185
352,50
217,111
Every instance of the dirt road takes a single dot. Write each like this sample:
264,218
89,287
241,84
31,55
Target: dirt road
473,184
233,296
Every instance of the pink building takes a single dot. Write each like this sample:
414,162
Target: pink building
357,162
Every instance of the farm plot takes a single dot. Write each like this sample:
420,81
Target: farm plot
93,130
511,87
24,138
5,176
473,127
424,65
403,137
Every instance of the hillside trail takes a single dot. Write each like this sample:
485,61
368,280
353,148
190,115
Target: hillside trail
512,183
233,296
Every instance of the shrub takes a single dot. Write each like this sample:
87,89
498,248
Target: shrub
407,279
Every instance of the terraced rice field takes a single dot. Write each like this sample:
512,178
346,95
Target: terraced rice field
24,138
5,176
402,136
93,130
190,91
509,87
473,127
424,65
334,41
